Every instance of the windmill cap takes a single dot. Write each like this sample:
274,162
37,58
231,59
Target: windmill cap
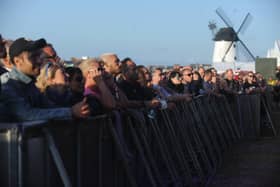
226,34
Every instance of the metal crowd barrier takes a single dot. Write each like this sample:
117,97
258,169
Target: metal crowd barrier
182,146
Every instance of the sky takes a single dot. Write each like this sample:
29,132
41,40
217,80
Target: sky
160,32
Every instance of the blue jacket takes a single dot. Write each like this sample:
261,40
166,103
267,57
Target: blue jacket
24,102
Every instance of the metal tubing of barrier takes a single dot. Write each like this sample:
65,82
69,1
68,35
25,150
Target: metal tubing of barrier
205,138
252,120
57,159
20,168
11,163
207,135
249,107
163,152
182,163
239,114
141,152
78,161
174,149
245,118
138,127
223,116
232,122
194,133
267,115
120,150
256,106
222,120
203,120
216,124
100,157
15,161
218,121
219,109
187,147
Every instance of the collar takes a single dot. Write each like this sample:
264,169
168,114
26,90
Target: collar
18,75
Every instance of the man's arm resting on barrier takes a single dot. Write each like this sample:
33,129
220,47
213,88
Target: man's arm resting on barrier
21,110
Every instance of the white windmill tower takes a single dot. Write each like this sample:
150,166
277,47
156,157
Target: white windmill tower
225,53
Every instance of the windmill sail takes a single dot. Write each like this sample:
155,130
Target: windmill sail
226,42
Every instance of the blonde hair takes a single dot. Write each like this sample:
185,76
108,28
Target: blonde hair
46,72
85,65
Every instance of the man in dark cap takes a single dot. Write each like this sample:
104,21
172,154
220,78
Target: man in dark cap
3,54
20,96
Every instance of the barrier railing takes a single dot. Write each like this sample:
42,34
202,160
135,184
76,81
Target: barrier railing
182,146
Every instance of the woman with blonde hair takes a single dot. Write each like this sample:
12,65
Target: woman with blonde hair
52,81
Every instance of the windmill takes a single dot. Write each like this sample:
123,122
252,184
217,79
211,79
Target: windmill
227,39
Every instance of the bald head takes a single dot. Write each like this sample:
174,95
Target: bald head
111,63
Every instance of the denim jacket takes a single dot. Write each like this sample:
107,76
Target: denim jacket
22,100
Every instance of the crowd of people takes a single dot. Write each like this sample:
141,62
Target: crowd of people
36,85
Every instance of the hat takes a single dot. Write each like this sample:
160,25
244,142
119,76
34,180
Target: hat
21,44
2,41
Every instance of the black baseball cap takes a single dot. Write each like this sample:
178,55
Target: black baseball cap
21,44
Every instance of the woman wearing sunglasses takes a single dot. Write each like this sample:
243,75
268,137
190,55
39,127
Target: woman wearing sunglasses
52,81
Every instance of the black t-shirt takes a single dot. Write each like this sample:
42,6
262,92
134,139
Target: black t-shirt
95,106
232,85
253,85
134,91
178,88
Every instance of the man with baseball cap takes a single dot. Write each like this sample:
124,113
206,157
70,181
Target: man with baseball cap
3,54
22,99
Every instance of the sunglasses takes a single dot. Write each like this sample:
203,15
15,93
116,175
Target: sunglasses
250,76
52,57
98,69
189,74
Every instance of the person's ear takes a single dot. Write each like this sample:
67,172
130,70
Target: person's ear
89,75
18,61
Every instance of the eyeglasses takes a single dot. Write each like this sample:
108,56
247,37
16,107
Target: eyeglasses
98,69
146,72
54,56
189,74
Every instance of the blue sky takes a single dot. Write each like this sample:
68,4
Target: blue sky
150,32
